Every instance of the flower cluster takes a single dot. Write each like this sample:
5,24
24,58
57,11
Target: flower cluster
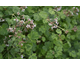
71,13
74,29
16,20
31,25
23,8
58,8
54,24
10,29
2,20
18,13
22,56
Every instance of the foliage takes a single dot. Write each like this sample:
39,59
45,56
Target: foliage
39,32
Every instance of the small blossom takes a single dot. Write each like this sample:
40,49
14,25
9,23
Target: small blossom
77,9
50,24
21,56
23,10
25,7
58,9
29,19
10,35
56,20
55,26
52,27
35,25
31,22
4,41
0,20
66,31
15,33
76,13
3,20
21,21
11,30
7,44
21,44
73,7
18,13
28,26
74,29
16,20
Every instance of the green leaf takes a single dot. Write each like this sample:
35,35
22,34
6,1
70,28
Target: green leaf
68,36
72,53
33,35
43,39
45,21
59,31
49,54
43,14
1,56
1,14
37,17
69,43
28,47
33,56
42,29
26,17
53,37
15,9
66,47
62,37
51,11
44,48
1,48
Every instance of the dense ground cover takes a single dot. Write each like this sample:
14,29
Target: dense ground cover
39,32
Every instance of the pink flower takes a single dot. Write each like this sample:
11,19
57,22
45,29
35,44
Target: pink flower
10,35
56,19
23,10
31,22
29,19
25,7
18,13
58,9
16,20
73,7
77,9
54,27
21,21
50,24
28,26
21,56
35,25
76,13
3,20
7,45
21,44
11,29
